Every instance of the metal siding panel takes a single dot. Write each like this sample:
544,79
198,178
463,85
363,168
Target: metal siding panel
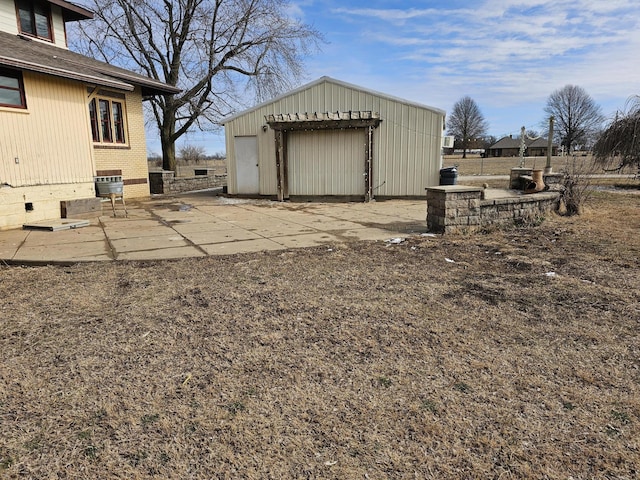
251,125
406,156
326,162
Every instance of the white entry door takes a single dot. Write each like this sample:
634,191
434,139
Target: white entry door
247,171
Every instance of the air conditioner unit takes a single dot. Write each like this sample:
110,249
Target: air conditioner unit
447,142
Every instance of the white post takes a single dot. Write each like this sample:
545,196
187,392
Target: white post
523,146
548,169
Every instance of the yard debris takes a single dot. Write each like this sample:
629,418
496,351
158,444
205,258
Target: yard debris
395,241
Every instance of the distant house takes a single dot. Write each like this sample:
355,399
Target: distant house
332,138
64,117
510,147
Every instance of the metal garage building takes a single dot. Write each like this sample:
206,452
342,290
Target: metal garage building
330,138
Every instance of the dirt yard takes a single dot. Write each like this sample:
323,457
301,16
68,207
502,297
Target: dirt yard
509,354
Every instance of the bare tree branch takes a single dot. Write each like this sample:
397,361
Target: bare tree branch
217,51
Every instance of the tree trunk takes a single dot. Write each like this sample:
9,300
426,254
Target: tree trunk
167,142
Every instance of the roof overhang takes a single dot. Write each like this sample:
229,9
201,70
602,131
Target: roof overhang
72,12
21,52
323,121
60,72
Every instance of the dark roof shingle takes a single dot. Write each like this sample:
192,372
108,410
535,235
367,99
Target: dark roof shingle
24,53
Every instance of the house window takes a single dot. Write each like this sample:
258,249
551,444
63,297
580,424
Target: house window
11,89
118,121
34,18
105,121
107,117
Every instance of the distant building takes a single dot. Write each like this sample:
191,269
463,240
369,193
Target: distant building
510,147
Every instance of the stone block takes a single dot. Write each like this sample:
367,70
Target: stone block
81,207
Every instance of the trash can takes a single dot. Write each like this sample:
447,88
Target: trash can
449,176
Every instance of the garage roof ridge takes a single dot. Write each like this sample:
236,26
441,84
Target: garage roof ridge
326,79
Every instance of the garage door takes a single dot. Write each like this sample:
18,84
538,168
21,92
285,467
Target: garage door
327,162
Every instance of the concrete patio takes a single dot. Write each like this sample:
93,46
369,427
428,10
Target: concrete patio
201,224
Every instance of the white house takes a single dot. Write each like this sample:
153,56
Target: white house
331,138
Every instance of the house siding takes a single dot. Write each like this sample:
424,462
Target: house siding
50,139
132,160
8,21
59,35
51,142
406,145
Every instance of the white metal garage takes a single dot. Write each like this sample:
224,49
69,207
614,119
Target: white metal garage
330,138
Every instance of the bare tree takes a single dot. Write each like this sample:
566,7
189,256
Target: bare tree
619,143
216,51
577,116
466,122
192,154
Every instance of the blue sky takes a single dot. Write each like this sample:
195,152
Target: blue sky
508,55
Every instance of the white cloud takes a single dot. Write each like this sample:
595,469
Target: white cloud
395,16
509,55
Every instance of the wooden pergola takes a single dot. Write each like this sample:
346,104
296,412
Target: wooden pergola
282,124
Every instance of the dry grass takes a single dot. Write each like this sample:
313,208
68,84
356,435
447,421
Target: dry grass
475,165
357,361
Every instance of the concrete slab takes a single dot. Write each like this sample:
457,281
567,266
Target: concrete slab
69,252
246,246
87,234
326,224
10,241
211,226
129,223
162,253
136,244
276,231
221,236
117,233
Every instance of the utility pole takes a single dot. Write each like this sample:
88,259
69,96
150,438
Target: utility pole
547,169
